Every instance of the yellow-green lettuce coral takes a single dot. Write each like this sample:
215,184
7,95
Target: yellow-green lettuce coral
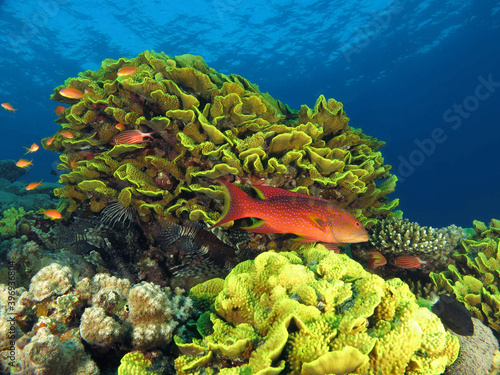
313,313
475,279
206,125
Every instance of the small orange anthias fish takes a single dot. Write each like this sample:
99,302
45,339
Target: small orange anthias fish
33,148
120,126
23,163
33,185
59,109
67,134
282,211
8,107
409,261
71,93
129,137
126,71
376,260
50,140
51,214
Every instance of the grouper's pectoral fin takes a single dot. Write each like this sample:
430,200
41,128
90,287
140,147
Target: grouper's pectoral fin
260,226
318,222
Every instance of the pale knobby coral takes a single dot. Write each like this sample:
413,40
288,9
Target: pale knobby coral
143,316
46,354
152,311
50,280
97,328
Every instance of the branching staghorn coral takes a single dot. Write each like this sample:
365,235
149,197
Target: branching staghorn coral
205,125
393,237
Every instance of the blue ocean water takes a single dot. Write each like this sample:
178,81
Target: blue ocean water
424,76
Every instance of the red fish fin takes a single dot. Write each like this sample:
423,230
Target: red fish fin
268,192
260,227
237,204
318,222
332,247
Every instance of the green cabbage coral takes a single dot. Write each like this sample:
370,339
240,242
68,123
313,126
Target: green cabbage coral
318,313
134,363
8,225
206,125
475,279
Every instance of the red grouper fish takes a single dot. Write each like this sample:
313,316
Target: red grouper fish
282,211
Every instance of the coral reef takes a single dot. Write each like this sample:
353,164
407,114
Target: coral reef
317,313
8,225
143,316
58,314
134,363
46,354
475,280
51,280
10,171
15,195
479,354
205,125
397,236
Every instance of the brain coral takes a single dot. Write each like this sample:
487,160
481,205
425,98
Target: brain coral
319,313
205,125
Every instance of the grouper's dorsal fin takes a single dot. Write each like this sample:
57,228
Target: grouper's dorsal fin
268,192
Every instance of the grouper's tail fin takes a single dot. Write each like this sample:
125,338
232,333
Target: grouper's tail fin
237,204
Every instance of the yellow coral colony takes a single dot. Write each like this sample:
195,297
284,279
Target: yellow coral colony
318,313
206,125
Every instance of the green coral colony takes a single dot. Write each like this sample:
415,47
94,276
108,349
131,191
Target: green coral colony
206,125
309,311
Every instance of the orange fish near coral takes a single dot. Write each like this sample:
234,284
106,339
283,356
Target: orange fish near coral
67,134
23,163
376,260
51,214
120,126
8,107
129,137
409,261
33,185
282,211
71,93
73,163
33,148
126,71
59,110
50,140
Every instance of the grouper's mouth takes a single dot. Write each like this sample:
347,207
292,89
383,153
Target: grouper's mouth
361,237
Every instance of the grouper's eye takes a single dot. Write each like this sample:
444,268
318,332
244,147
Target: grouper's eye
357,223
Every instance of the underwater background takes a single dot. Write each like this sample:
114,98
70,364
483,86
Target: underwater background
236,187
402,69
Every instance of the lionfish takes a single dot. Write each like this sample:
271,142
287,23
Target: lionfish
204,253
116,215
86,236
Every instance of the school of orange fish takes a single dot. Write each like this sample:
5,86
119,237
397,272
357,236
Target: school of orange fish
127,137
